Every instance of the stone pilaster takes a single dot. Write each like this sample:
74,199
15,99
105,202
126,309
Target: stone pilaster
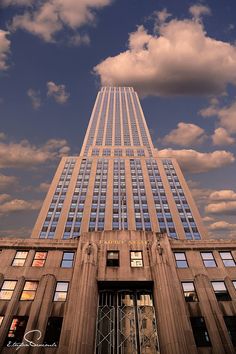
175,333
221,343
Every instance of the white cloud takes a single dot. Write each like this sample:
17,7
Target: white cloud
18,205
208,219
198,10
186,134
200,195
4,49
35,98
226,115
47,18
16,2
22,232
58,92
4,197
222,137
2,136
225,194
24,154
182,59
43,187
6,181
222,208
160,18
78,39
222,226
195,162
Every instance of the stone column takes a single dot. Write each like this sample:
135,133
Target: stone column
212,314
174,328
82,306
11,310
39,313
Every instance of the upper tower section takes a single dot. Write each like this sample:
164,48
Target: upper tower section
117,121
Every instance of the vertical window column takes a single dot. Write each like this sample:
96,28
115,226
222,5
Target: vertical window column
74,218
54,212
188,222
142,217
164,217
97,214
119,220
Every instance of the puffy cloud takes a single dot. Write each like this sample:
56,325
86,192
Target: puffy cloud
222,226
18,205
22,232
223,208
208,219
199,10
200,195
16,2
226,194
222,137
35,98
161,16
58,92
78,39
186,134
6,181
166,64
4,197
196,162
2,136
43,187
226,115
46,18
24,154
4,49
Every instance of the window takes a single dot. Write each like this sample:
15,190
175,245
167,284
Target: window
136,259
234,283
208,259
200,332
221,291
53,331
181,261
29,290
16,330
1,320
39,259
230,322
67,260
7,289
112,258
189,291
227,259
19,259
61,291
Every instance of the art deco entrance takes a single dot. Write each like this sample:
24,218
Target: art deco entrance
126,323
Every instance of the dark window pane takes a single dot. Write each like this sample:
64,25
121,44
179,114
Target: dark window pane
16,330
200,332
53,330
112,259
230,322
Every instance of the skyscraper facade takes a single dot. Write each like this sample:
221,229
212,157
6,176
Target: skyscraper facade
118,261
118,181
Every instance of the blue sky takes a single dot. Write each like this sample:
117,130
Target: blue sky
179,55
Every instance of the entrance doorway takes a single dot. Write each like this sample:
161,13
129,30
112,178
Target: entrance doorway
126,323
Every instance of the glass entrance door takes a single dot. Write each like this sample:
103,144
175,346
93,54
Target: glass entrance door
126,323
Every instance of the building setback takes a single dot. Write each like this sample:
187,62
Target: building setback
118,261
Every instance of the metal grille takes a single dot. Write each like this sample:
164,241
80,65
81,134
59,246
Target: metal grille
126,323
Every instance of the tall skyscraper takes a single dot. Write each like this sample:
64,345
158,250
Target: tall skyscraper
118,181
118,261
